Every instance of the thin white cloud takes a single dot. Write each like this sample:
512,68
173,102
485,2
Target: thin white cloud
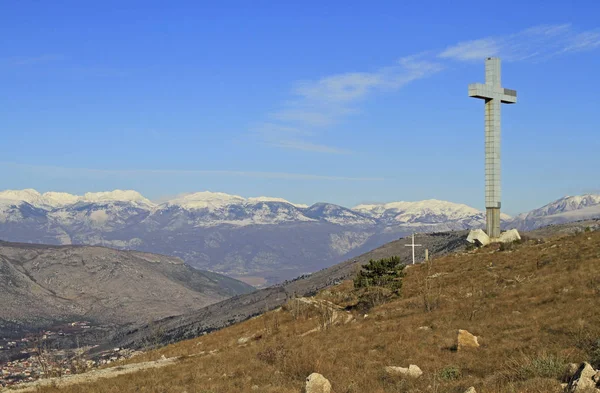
317,104
472,50
307,146
535,43
73,172
32,60
326,101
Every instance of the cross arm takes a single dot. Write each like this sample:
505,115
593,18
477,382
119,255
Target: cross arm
488,92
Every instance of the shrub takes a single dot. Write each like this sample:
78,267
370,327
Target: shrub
543,366
385,273
450,373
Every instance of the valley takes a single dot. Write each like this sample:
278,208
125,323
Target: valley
531,305
262,241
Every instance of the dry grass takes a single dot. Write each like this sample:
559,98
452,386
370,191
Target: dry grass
534,307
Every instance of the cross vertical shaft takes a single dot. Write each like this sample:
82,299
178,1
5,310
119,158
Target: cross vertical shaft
494,95
413,245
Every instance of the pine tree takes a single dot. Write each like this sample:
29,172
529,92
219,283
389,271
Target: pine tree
385,273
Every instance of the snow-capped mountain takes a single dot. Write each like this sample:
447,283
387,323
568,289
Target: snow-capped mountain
422,212
567,209
51,200
265,236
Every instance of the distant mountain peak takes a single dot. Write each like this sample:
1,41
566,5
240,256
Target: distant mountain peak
564,205
214,200
117,196
275,199
28,195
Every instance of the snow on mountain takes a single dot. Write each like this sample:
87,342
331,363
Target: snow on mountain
430,211
566,204
338,215
60,198
205,200
567,209
118,196
53,199
217,200
16,197
273,199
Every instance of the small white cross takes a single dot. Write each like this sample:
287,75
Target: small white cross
413,245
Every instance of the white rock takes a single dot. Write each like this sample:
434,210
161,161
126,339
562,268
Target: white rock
243,340
478,235
509,236
412,371
316,383
582,381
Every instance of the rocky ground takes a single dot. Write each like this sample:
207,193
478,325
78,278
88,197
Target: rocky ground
513,318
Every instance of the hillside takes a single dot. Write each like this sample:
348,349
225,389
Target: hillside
242,307
261,240
533,306
42,285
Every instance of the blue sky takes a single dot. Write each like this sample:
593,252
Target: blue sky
345,102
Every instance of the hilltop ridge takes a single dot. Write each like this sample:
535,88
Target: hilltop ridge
532,306
225,233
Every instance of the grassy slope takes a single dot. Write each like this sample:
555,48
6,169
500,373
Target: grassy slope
534,308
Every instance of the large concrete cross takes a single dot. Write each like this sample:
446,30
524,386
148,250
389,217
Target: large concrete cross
494,95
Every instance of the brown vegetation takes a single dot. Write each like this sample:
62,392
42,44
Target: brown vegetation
534,307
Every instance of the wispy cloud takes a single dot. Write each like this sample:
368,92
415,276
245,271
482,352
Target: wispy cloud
325,101
32,60
314,105
73,172
536,43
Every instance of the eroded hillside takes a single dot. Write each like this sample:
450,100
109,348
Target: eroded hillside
533,306
43,284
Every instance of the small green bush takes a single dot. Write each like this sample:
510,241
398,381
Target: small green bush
450,373
544,366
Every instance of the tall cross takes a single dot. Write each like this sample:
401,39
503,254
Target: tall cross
413,245
494,95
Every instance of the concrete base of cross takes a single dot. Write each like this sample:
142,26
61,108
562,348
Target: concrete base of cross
479,236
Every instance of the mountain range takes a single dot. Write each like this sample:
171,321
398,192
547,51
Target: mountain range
260,240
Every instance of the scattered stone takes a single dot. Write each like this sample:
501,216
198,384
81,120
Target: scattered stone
582,381
255,387
316,383
243,340
570,371
163,357
471,390
425,328
510,236
466,340
412,371
478,236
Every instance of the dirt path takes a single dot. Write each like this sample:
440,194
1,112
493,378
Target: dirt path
90,376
